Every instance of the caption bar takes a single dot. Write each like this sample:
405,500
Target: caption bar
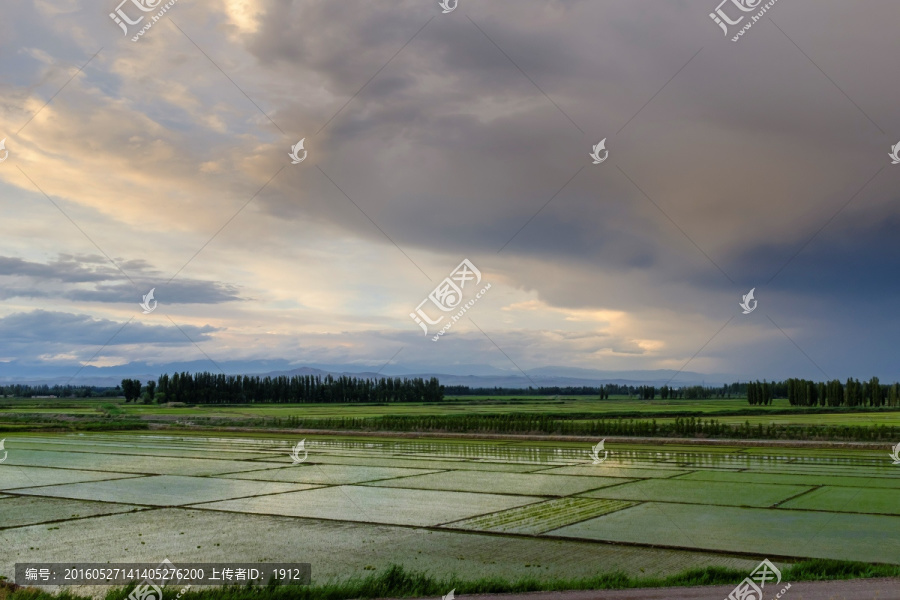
183,574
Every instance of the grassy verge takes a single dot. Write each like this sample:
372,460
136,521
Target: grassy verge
396,582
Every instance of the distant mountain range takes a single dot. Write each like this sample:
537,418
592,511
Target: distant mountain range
469,375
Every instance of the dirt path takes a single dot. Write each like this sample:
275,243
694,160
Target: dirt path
854,589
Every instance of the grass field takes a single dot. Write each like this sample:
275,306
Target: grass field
586,408
479,508
450,406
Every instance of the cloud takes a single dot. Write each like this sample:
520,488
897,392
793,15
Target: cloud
54,327
468,137
106,282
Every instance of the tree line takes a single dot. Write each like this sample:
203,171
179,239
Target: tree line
218,388
212,388
60,391
603,392
801,392
759,393
581,390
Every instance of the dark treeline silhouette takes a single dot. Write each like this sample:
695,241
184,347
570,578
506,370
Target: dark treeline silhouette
60,391
644,392
801,392
759,393
212,388
464,390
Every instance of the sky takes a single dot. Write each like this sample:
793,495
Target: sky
435,137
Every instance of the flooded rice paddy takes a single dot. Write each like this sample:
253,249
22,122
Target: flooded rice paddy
474,508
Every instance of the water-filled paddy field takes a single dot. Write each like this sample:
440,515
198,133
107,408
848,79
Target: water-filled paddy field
474,508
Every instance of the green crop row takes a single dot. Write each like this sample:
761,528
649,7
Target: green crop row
543,516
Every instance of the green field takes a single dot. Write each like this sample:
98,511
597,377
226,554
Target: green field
450,406
480,508
16,413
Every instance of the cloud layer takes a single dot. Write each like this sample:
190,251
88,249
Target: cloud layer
432,138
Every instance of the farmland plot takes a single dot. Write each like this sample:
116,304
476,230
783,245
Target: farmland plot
711,492
482,508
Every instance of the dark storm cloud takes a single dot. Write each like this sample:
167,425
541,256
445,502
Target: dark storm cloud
741,160
451,148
